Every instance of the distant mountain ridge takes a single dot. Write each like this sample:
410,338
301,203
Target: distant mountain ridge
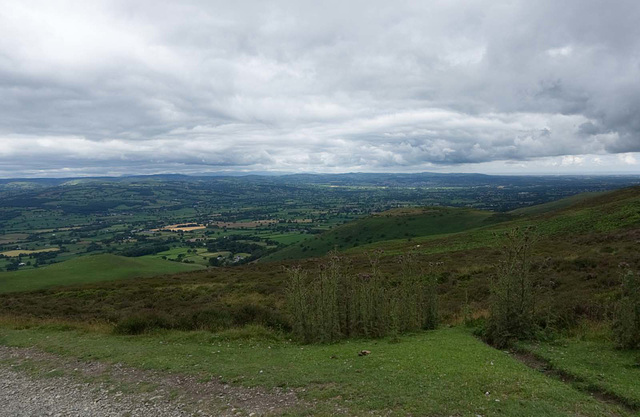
357,178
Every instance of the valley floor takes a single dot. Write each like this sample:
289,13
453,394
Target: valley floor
437,373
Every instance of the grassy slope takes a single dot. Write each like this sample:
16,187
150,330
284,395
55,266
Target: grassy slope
445,229
393,224
444,372
87,269
583,242
596,363
584,214
556,205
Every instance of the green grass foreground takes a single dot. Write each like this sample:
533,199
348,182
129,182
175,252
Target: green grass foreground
596,364
88,269
442,372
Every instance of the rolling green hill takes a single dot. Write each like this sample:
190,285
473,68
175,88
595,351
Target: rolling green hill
405,223
88,269
556,205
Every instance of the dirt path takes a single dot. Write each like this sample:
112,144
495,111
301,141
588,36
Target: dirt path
539,364
35,383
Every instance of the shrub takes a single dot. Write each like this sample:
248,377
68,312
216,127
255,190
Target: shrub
627,318
335,303
141,323
512,292
254,314
212,320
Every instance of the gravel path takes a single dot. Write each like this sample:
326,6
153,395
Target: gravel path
35,383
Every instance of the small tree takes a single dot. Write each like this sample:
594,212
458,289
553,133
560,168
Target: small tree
512,292
627,319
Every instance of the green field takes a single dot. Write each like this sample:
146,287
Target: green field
443,372
86,270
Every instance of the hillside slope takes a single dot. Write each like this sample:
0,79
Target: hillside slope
404,223
582,214
86,270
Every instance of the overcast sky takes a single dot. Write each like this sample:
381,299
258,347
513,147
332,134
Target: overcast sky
124,87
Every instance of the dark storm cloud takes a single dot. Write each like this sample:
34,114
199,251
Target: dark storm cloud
142,86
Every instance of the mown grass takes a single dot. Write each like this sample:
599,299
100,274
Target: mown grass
442,372
86,270
595,363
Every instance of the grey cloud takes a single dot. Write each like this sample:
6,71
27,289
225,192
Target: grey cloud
295,85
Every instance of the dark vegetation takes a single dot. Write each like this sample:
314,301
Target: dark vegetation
335,303
186,302
142,250
627,318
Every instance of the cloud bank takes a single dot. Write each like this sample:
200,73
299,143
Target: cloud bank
140,87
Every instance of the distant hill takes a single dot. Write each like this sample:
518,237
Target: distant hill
404,223
445,229
422,179
88,269
556,205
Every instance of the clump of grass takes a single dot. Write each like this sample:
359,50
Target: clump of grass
335,303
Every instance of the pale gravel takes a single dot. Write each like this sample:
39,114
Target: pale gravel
35,383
